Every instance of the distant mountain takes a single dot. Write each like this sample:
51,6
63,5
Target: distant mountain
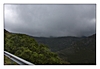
57,43
76,50
81,52
27,48
92,36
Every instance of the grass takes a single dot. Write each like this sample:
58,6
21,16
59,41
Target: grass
7,61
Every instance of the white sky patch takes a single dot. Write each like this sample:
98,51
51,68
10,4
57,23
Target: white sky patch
10,14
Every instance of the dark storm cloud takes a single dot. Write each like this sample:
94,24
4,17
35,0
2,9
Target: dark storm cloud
51,20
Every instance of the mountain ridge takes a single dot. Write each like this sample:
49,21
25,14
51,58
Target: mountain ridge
76,50
68,47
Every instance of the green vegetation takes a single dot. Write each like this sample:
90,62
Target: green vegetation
81,52
27,48
57,43
7,61
76,50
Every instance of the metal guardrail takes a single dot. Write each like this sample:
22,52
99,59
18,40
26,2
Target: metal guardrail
17,59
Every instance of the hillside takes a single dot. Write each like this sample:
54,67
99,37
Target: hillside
81,52
57,43
27,48
76,50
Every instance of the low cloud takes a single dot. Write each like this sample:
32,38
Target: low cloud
51,20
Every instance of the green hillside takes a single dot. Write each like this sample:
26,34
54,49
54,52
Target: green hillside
27,48
76,50
57,43
81,52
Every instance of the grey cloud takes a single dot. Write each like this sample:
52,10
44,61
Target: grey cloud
51,20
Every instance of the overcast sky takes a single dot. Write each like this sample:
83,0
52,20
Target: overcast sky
50,20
